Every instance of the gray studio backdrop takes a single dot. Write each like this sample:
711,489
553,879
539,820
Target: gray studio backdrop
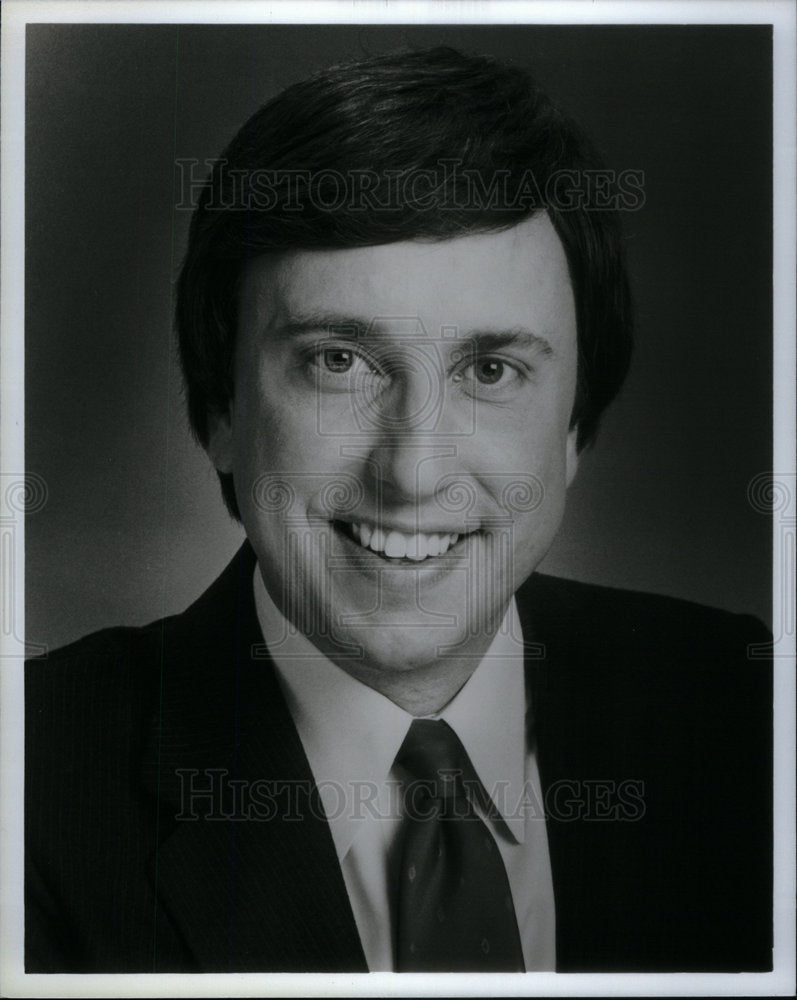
133,527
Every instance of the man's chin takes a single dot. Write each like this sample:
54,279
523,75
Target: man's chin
402,647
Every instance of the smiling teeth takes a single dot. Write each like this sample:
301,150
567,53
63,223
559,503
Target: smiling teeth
397,545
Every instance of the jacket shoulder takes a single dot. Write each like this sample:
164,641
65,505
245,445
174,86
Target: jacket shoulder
106,652
119,640
631,614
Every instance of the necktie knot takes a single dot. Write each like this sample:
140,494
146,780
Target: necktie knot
433,756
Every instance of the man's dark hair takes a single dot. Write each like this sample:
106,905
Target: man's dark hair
418,145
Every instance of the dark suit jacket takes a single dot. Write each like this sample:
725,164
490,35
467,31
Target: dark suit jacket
663,862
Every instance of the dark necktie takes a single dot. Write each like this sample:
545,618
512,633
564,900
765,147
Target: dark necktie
454,910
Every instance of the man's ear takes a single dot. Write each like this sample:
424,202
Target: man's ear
220,443
571,455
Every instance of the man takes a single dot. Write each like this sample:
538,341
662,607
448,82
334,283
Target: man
380,740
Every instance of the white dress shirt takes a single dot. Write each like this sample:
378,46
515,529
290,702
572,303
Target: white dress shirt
351,735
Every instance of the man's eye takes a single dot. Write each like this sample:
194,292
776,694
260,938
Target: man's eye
488,372
343,368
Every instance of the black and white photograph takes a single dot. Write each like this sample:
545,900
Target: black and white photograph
398,498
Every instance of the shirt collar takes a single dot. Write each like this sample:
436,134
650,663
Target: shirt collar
352,733
488,714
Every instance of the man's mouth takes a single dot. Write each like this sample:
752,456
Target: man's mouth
390,544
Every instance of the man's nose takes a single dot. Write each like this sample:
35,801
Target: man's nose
415,439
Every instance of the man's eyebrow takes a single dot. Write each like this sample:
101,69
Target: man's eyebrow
338,323
484,341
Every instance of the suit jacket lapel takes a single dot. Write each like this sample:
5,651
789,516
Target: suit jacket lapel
561,710
247,874
593,716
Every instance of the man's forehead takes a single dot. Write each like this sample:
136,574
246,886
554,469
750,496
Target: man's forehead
513,279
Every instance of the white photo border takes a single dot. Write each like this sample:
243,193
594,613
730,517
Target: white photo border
16,15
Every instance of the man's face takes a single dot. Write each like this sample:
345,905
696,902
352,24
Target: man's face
399,436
